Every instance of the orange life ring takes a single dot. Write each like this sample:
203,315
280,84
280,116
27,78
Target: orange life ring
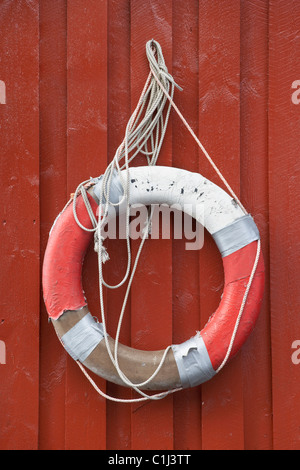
197,359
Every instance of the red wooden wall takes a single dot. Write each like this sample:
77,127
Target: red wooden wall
73,71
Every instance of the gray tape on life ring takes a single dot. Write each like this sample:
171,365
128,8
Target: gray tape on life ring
116,190
193,362
236,235
83,337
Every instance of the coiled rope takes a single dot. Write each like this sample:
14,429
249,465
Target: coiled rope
144,134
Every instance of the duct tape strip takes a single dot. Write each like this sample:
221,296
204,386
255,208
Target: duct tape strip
116,189
83,337
235,236
193,362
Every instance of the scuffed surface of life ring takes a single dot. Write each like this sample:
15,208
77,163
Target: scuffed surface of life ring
197,359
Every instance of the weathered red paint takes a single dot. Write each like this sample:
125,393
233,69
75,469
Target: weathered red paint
65,253
19,234
53,196
218,331
73,72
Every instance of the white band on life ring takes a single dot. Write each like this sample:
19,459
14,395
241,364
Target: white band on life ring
173,186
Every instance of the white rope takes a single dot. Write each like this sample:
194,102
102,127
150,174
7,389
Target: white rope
146,127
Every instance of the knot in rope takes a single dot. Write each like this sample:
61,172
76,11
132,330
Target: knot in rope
100,248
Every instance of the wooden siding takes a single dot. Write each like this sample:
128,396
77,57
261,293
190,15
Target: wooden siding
72,72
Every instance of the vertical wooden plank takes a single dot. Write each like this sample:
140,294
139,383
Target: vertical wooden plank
254,191
219,130
19,235
53,196
151,303
284,62
118,414
86,156
186,304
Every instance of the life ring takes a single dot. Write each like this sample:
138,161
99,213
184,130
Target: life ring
196,360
